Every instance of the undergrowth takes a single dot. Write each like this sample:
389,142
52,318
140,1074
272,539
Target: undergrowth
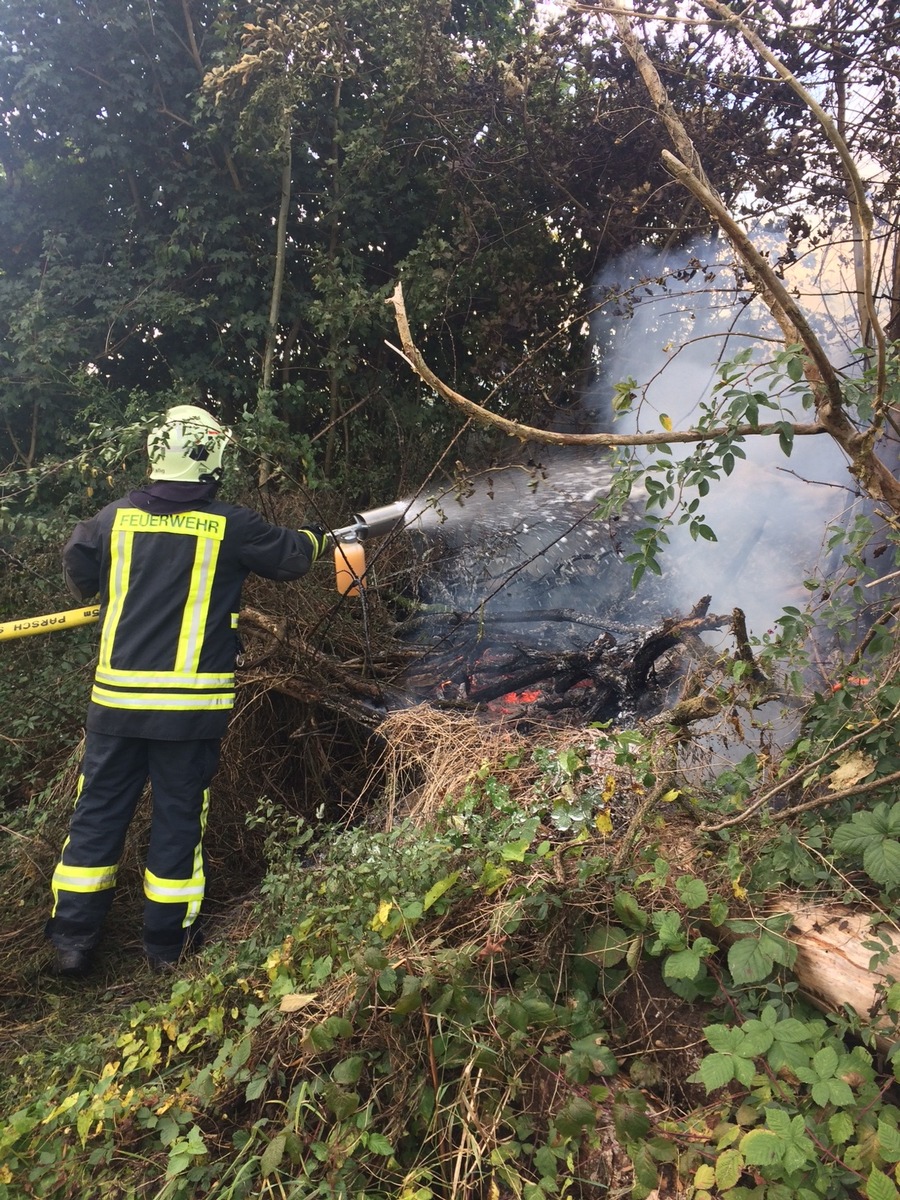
493,1001
545,967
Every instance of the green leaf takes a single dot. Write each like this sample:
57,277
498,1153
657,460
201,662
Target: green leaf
256,1087
825,1062
855,835
748,962
576,1115
880,1186
841,1128
693,892
438,889
608,945
349,1070
630,912
240,1056
724,1038
493,877
718,911
888,1142
779,949
685,964
411,996
757,1039
272,1155
882,861
792,1030
831,1091
177,1163
761,1148
343,1104
794,369
729,1166
515,851
603,1061
786,437
715,1071
379,1144
629,1116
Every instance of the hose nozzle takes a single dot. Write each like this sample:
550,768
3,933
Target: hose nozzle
376,522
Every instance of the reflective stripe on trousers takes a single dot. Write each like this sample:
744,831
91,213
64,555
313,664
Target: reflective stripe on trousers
188,892
115,772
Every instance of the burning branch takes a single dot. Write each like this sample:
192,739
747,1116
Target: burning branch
528,433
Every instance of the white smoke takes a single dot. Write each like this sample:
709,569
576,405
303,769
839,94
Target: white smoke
667,322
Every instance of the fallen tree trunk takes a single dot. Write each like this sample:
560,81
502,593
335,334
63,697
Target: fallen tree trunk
843,963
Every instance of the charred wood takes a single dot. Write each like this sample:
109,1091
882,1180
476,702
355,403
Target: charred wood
596,681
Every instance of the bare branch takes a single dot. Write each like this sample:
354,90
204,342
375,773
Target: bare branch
860,211
877,480
778,299
529,433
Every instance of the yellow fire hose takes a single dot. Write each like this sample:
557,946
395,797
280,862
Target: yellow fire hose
48,623
349,562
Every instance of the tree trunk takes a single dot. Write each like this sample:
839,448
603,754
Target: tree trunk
837,966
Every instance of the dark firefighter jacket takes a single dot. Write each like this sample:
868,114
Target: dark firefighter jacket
169,584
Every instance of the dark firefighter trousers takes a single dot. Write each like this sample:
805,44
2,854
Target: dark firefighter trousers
114,772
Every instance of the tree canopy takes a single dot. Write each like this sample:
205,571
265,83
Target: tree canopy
216,200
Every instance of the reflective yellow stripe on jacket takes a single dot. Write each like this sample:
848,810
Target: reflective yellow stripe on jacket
183,688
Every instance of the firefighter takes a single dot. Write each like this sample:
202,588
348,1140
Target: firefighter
168,562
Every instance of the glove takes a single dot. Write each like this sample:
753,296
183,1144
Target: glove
318,537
